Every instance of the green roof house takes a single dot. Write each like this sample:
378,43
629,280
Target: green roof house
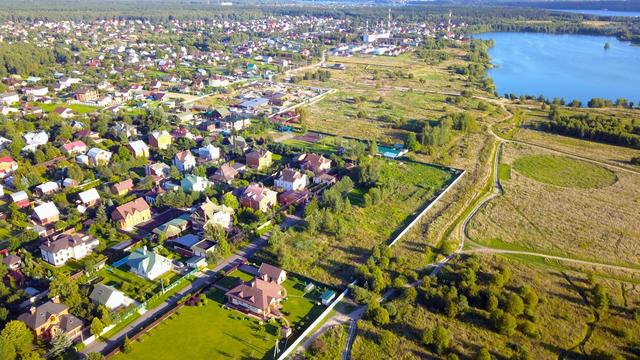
147,264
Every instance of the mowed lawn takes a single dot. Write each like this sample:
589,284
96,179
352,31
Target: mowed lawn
213,332
205,332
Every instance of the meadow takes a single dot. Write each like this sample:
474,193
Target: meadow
563,206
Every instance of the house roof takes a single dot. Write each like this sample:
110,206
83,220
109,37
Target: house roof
139,146
102,293
187,241
273,272
46,210
11,259
74,145
48,187
257,292
256,192
123,185
64,241
42,314
144,260
258,154
6,159
183,155
125,210
89,195
291,175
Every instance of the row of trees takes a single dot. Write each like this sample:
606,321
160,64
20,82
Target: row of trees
594,127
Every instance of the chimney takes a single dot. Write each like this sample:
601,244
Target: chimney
56,299
32,310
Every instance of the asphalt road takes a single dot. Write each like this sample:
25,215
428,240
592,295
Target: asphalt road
204,279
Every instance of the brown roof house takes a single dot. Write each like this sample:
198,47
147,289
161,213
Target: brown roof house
122,188
259,159
270,273
291,180
225,173
50,319
258,197
316,163
131,214
258,297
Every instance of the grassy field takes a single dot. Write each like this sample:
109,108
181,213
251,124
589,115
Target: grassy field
213,332
331,259
616,155
564,171
595,219
376,96
562,317
78,108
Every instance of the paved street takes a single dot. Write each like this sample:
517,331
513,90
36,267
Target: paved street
203,280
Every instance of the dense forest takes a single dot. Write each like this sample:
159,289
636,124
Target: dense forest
594,127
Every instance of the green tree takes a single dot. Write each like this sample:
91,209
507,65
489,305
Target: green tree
96,326
441,339
95,356
126,345
514,305
15,339
59,344
483,354
229,200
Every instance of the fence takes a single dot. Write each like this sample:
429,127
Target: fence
315,323
424,211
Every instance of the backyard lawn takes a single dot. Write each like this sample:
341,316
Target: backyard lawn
212,332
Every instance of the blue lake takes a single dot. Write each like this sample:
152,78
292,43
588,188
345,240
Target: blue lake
567,66
602,12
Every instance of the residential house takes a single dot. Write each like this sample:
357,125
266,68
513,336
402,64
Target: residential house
107,296
47,188
211,214
9,98
12,262
148,264
258,197
257,296
74,147
50,319
64,112
160,139
173,227
270,273
291,180
37,91
35,139
237,142
67,246
209,153
97,156
124,130
89,198
325,179
7,166
138,149
191,183
225,173
259,159
184,160
131,214
122,188
315,163
46,213
86,95
20,198
158,169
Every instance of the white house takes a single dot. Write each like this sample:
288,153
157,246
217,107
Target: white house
184,160
209,152
9,98
209,213
46,213
108,297
148,264
57,252
138,149
97,156
89,197
292,180
35,139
